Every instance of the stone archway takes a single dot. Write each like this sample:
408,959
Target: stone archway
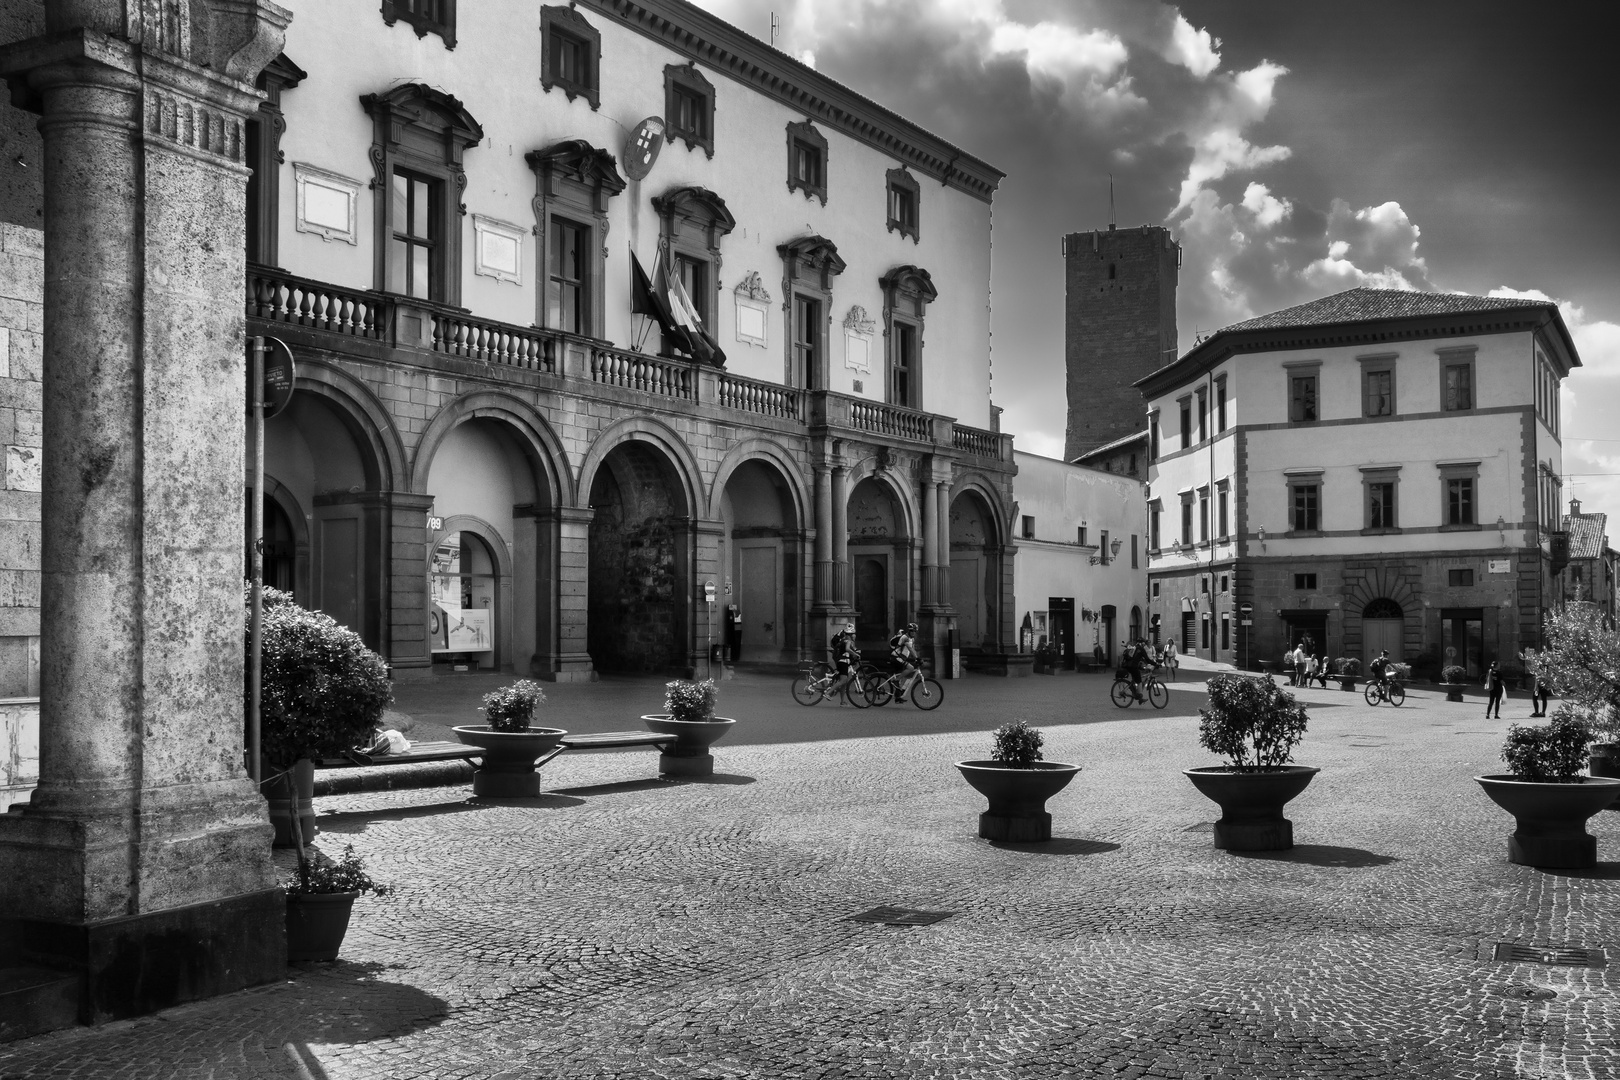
640,552
762,558
975,562
880,562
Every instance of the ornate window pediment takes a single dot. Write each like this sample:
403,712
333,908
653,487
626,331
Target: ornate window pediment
573,183
570,54
811,256
424,16
807,161
908,287
696,205
582,163
689,107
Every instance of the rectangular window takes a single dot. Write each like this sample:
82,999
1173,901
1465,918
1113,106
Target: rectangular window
1203,514
413,249
1460,577
694,276
1459,387
570,59
1135,561
903,371
1203,416
1305,507
1226,583
1155,590
1226,631
807,341
1460,501
566,307
1305,582
1102,546
1225,521
1082,536
1154,513
1186,424
1028,527
1302,398
1203,584
807,165
1378,393
1186,521
1153,438
902,209
1220,405
1204,630
1381,505
691,113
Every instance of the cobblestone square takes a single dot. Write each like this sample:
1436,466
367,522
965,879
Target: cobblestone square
624,926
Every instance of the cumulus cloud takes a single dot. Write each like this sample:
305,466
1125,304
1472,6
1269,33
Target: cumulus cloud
1267,209
1193,49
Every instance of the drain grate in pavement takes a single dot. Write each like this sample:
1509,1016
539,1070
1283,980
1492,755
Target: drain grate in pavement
899,916
1529,993
1548,954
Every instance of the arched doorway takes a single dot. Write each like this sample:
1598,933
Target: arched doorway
1382,627
880,557
1136,623
640,552
975,562
761,558
286,546
480,475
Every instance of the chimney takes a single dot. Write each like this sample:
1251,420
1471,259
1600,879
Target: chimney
1574,507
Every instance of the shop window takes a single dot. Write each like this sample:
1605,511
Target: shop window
570,54
424,16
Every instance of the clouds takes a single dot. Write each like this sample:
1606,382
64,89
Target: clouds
1193,49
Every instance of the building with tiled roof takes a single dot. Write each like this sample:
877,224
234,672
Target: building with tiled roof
1590,574
1376,469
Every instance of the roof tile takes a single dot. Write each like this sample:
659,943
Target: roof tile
1356,305
1586,534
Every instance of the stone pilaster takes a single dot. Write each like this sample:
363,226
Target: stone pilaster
142,784
571,660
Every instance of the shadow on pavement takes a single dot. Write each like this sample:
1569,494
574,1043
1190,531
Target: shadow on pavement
1322,855
649,784
1606,871
355,821
1060,846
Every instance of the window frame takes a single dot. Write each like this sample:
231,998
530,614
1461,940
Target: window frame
1185,404
556,228
1468,472
433,241
574,182
1305,581
261,148
685,80
1373,365
804,134
1374,476
1203,515
1460,358
1454,572
809,264
557,21
692,221
445,25
1203,415
1026,527
1220,405
1223,492
1155,522
1299,482
1154,436
1301,370
901,182
1187,518
907,292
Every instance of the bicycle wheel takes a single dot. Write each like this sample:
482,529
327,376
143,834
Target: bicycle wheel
926,693
1371,693
808,688
1158,694
1120,693
1397,694
880,691
855,691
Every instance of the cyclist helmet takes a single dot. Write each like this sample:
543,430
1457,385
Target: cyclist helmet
849,628
911,628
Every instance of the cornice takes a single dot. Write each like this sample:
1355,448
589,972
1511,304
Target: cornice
723,48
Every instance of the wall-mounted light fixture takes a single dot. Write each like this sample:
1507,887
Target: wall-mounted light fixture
1501,527
1115,546
1262,538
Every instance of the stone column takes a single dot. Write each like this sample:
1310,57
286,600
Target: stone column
707,536
824,534
571,661
943,508
143,860
842,595
930,555
405,580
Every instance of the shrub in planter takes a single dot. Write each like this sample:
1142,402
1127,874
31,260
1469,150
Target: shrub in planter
1255,725
1452,673
511,708
320,899
1549,800
688,700
690,718
1016,782
1551,753
1347,667
1017,745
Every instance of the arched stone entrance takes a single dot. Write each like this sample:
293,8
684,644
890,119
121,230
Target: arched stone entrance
640,554
975,563
1383,625
484,488
761,555
881,556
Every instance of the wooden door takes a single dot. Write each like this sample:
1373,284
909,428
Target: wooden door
760,598
1378,635
967,597
871,598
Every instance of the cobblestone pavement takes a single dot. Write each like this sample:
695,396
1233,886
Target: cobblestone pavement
623,926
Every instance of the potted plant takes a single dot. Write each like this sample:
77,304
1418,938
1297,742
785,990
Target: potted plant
1347,669
322,692
1255,725
320,898
1549,800
1452,678
513,748
690,718
1047,658
1017,783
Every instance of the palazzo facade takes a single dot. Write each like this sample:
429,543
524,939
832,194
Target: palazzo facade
494,458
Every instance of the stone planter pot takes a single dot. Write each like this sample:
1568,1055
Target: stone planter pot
690,755
302,774
1551,818
1252,803
1017,797
1346,682
316,923
1453,690
1604,759
507,769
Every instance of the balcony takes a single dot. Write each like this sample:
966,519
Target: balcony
382,326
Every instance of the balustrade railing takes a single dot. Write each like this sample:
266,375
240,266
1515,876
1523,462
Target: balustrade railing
891,420
319,306
974,441
494,343
768,399
637,371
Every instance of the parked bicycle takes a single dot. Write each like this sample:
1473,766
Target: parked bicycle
1385,690
924,690
1154,691
820,677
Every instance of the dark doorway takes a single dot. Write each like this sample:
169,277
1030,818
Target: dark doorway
872,599
1463,640
1061,614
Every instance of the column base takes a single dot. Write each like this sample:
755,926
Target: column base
143,963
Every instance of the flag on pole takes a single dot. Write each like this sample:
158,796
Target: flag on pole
684,311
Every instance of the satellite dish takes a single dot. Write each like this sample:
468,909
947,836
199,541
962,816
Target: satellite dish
641,149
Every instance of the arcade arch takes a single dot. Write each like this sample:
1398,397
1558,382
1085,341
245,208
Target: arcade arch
882,560
975,562
762,560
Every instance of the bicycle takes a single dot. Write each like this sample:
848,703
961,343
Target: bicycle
819,677
1122,694
925,691
1385,690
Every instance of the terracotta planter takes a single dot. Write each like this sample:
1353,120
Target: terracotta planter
690,755
1453,690
316,923
507,768
1604,759
1017,797
1551,818
275,792
1252,803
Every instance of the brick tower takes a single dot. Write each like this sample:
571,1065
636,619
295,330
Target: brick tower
1119,325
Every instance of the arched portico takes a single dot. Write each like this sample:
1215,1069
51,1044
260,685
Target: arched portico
761,555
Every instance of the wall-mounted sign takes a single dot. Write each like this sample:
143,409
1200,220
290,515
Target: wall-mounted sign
641,148
1501,566
435,524
279,375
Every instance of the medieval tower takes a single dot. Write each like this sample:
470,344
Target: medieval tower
1119,325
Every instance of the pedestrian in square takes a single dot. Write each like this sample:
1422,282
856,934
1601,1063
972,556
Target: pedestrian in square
1538,696
1493,691
1300,658
1322,670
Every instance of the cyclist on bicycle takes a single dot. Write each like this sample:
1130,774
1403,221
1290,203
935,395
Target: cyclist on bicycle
1135,659
903,650
1379,668
845,657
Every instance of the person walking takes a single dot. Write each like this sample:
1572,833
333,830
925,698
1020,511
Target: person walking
1493,691
1172,660
1290,663
1301,655
1538,696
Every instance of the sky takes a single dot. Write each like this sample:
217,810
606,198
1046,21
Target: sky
1293,149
